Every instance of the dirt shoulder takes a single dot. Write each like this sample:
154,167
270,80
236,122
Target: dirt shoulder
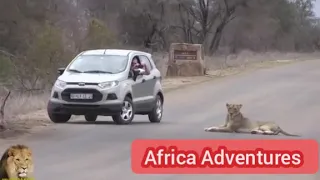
28,122
170,84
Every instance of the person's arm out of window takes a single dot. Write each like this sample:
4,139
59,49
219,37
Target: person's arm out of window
147,71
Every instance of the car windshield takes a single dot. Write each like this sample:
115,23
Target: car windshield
110,64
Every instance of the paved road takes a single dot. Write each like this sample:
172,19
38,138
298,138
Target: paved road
101,151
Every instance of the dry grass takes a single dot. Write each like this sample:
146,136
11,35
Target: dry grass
22,109
245,58
24,103
26,111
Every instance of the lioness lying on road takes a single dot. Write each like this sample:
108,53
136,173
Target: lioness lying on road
236,122
17,163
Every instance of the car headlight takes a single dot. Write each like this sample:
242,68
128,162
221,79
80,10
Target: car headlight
60,84
109,84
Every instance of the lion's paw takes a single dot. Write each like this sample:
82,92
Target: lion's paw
210,129
254,132
257,132
268,132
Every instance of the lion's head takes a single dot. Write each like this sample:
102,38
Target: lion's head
19,161
233,108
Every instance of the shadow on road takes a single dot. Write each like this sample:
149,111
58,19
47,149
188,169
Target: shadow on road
112,123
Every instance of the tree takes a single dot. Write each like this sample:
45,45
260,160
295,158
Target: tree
98,36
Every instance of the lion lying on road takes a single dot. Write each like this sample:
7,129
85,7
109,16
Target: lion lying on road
17,163
236,122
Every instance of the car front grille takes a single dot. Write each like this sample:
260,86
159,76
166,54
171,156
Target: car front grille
97,96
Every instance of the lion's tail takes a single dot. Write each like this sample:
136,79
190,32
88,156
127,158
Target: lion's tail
285,133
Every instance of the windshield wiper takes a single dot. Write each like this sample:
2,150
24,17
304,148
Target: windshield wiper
74,70
98,71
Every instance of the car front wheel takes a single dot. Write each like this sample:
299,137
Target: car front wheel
90,117
127,112
59,118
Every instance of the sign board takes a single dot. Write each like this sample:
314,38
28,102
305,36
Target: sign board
185,60
185,55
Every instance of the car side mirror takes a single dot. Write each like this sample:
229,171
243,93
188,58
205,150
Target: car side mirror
61,71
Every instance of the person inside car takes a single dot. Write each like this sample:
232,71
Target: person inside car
136,65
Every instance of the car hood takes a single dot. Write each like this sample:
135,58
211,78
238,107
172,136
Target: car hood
88,77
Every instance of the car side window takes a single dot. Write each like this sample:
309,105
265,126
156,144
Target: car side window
145,60
131,63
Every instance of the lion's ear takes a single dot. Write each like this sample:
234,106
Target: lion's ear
227,104
10,152
239,106
29,152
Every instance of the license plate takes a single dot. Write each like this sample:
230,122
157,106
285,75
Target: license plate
81,96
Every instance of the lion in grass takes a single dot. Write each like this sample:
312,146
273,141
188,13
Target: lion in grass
17,163
236,122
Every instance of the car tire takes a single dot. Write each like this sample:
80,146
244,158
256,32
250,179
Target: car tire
155,115
125,117
91,117
59,118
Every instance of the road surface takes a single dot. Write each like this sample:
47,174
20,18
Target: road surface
287,94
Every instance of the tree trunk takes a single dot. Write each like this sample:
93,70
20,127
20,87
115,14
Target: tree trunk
2,118
214,45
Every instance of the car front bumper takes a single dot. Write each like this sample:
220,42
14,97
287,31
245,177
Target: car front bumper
83,109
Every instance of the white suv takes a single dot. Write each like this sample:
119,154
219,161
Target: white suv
102,82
